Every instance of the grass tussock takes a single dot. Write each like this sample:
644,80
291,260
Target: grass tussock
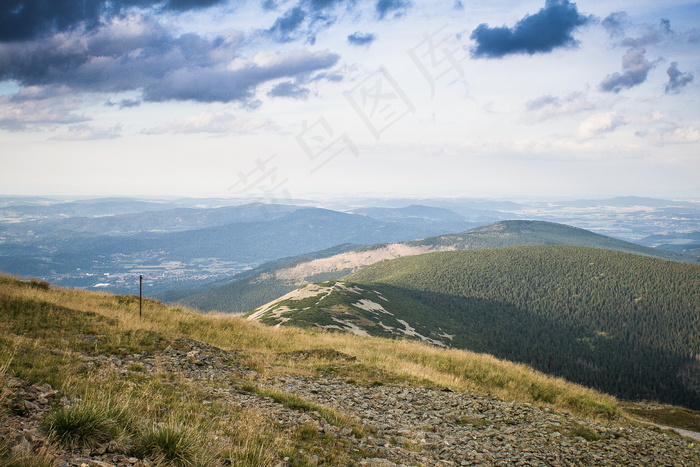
8,458
98,418
47,331
174,444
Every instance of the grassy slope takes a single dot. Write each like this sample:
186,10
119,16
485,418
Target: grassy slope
243,295
46,334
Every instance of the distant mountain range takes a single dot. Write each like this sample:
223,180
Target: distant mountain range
624,323
187,245
250,291
172,245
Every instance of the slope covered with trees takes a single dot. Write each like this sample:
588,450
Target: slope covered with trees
247,291
626,324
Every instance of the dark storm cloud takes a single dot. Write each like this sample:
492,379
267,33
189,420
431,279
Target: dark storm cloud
166,67
306,19
184,5
289,89
550,28
220,84
635,68
28,19
677,80
360,39
124,103
394,8
286,27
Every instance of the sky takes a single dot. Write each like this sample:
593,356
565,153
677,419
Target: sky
285,99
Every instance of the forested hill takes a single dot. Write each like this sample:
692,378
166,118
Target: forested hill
248,291
626,324
527,232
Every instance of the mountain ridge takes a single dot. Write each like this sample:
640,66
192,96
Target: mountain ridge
241,296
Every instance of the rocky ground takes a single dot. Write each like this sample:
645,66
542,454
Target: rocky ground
411,426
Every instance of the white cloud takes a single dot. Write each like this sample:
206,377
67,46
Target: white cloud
676,135
86,132
216,123
599,124
547,107
29,110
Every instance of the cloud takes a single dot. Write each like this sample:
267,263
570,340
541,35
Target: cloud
650,35
616,23
31,108
289,89
548,106
360,39
29,19
86,132
237,82
693,36
184,5
137,54
306,19
550,28
286,27
674,134
600,123
635,68
215,123
677,80
394,8
124,103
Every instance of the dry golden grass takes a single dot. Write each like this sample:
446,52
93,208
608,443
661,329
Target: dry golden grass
396,360
44,333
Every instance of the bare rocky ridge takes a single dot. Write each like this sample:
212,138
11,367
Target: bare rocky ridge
408,425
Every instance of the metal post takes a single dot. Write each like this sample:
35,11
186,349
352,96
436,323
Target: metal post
140,294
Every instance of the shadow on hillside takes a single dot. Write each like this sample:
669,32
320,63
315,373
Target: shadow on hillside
613,361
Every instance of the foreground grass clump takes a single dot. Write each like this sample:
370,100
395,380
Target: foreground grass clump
78,427
174,444
25,459
97,419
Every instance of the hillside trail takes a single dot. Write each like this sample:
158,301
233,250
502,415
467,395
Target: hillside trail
406,425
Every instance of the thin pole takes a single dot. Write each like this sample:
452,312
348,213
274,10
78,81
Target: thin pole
140,294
